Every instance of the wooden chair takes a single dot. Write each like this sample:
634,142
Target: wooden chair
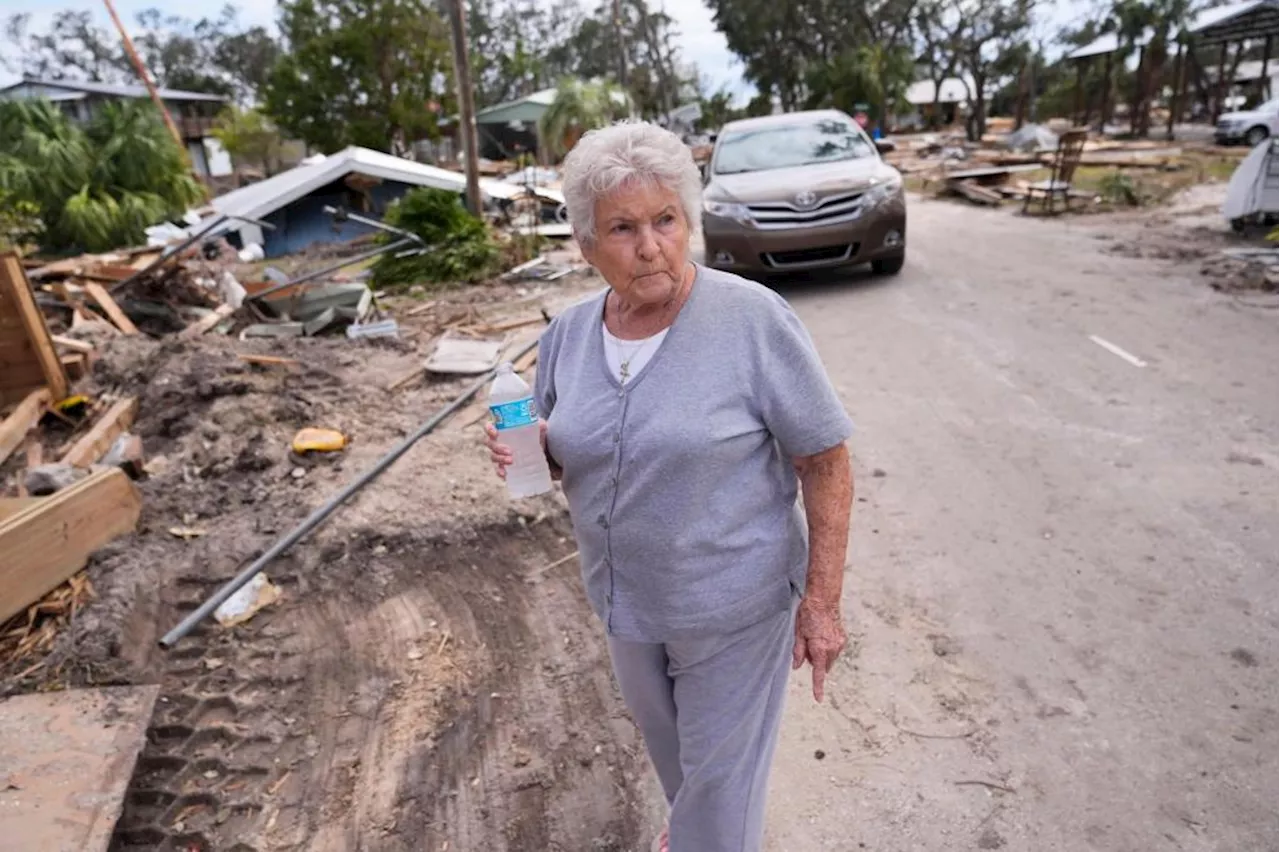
1065,160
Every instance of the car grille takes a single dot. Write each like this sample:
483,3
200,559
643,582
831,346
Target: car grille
829,211
810,256
1225,126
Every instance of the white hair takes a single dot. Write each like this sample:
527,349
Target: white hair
604,160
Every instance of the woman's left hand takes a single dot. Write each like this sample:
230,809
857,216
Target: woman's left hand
820,638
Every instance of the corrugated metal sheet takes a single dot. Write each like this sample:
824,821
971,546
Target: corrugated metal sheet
108,89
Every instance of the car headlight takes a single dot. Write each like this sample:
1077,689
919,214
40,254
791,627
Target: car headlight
883,190
726,210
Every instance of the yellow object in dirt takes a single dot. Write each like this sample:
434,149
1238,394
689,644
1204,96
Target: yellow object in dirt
318,441
72,403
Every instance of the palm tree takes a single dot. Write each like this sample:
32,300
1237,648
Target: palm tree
578,107
96,187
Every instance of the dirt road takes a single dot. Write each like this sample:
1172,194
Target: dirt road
1063,584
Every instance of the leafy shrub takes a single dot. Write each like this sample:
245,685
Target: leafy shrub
461,250
1118,188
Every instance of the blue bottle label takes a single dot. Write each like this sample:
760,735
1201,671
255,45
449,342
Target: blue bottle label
513,415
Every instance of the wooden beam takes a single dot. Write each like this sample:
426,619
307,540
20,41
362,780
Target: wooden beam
27,357
14,428
73,344
206,324
10,506
49,541
95,443
100,295
267,360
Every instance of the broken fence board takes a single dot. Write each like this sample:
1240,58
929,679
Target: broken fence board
28,360
73,344
44,545
109,307
267,360
14,428
196,329
94,444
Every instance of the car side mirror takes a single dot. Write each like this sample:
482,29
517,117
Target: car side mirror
885,146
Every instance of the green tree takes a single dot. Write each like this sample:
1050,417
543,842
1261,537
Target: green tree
250,137
992,28
578,107
360,72
96,187
871,73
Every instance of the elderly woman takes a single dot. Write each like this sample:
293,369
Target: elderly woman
684,408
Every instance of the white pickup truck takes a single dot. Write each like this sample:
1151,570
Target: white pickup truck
1249,126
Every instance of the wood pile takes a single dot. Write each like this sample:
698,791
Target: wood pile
74,504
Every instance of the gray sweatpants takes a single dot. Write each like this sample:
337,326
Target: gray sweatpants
709,710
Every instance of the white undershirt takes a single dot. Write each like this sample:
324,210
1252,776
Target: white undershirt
636,353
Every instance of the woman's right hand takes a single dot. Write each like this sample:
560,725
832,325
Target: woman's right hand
500,454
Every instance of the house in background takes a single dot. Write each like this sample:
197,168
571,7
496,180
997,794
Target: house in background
194,113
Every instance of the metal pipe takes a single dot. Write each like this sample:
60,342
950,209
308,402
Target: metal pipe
320,515
319,273
343,215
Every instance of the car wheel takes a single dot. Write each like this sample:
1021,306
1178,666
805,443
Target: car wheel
1256,135
888,265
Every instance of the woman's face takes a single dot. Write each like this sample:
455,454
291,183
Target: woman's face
642,242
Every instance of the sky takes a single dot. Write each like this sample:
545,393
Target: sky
700,42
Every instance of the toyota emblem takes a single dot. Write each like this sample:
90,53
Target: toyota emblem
806,199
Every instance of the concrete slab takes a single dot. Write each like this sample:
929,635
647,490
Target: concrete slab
65,762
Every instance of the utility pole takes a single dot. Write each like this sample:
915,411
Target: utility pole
151,87
622,48
466,103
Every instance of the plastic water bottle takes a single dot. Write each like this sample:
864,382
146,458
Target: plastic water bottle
516,417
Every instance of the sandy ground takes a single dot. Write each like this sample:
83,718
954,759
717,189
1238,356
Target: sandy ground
1063,569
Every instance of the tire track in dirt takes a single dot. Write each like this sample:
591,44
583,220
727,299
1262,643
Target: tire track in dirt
406,693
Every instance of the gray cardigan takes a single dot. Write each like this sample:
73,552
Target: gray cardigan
680,485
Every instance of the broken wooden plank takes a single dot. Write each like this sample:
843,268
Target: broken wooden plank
45,544
207,323
975,193
509,325
113,273
95,443
100,295
75,365
73,344
267,360
68,758
14,428
28,360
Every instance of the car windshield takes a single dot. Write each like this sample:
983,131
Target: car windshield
800,144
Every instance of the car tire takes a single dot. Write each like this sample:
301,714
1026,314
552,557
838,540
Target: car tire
1256,136
888,265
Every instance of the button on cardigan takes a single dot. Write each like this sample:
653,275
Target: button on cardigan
681,485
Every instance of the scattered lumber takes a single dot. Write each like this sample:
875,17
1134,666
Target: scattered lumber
206,324
14,428
43,545
976,194
95,443
109,307
28,360
113,273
